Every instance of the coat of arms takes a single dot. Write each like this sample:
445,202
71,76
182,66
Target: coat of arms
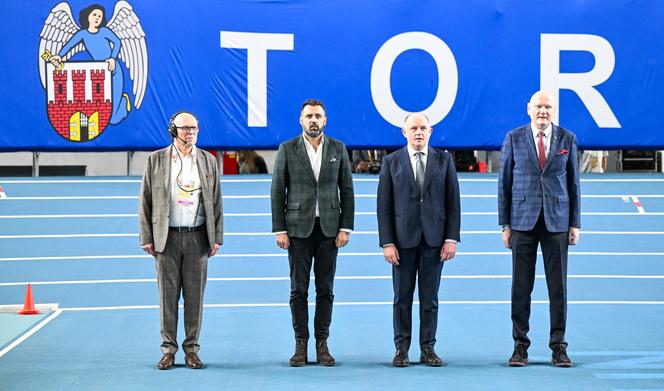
84,95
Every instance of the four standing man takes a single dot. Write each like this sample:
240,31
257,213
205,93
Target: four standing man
313,207
419,218
539,203
181,226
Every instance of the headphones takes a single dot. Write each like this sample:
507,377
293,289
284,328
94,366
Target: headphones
172,128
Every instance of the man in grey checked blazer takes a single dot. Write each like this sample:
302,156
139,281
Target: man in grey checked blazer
181,226
539,203
312,216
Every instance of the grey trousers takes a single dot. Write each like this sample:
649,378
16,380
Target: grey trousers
182,268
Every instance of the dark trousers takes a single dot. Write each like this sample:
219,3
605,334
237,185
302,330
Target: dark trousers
524,255
182,269
322,252
420,263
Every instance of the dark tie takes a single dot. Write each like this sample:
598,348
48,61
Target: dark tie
419,170
541,154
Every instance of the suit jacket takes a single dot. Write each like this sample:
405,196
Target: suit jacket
405,214
295,190
154,200
524,188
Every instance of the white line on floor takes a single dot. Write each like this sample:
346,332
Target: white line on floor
479,232
346,278
30,332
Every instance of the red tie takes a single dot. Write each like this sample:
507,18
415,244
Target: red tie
541,154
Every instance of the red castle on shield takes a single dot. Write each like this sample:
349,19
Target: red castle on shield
79,99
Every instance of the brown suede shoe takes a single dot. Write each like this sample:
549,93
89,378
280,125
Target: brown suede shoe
323,356
300,356
166,361
193,361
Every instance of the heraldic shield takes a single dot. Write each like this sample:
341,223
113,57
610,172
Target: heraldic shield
78,98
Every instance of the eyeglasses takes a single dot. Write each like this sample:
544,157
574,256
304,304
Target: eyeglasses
188,129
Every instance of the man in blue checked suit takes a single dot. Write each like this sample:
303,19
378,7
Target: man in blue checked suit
539,204
419,218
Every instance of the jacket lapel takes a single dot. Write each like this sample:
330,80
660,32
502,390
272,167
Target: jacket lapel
326,158
428,171
165,167
532,149
404,161
301,152
553,146
201,164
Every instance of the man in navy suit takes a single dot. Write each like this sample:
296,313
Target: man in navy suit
539,203
419,217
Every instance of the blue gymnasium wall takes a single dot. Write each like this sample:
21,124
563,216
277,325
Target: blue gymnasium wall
499,52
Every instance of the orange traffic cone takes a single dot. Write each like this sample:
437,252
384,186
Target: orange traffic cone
29,306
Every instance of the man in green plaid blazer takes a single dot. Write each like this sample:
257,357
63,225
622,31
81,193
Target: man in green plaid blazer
312,216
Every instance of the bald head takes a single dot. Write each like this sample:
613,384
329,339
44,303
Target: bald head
187,129
417,131
541,109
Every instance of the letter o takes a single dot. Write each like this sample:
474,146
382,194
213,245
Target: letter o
381,70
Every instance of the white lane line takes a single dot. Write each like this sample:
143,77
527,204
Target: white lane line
372,303
133,215
341,254
71,216
30,333
638,205
269,180
341,278
267,196
114,235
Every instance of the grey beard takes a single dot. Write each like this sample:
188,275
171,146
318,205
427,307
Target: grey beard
314,132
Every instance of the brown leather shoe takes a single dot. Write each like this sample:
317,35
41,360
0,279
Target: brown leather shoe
429,357
300,356
166,361
323,356
193,361
401,358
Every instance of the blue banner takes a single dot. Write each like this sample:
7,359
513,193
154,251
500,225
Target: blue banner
82,77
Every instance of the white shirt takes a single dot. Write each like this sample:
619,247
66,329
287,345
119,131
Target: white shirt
547,138
184,204
315,158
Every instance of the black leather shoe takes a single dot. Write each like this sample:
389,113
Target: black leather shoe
429,357
401,358
323,356
166,361
300,356
519,356
559,357
193,361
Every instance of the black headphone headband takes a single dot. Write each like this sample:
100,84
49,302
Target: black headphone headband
172,128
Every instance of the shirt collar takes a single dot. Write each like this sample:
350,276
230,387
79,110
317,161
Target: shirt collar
174,152
412,152
547,130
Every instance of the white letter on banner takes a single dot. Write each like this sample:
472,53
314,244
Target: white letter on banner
448,76
257,45
553,81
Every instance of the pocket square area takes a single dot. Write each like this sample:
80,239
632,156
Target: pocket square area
334,159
